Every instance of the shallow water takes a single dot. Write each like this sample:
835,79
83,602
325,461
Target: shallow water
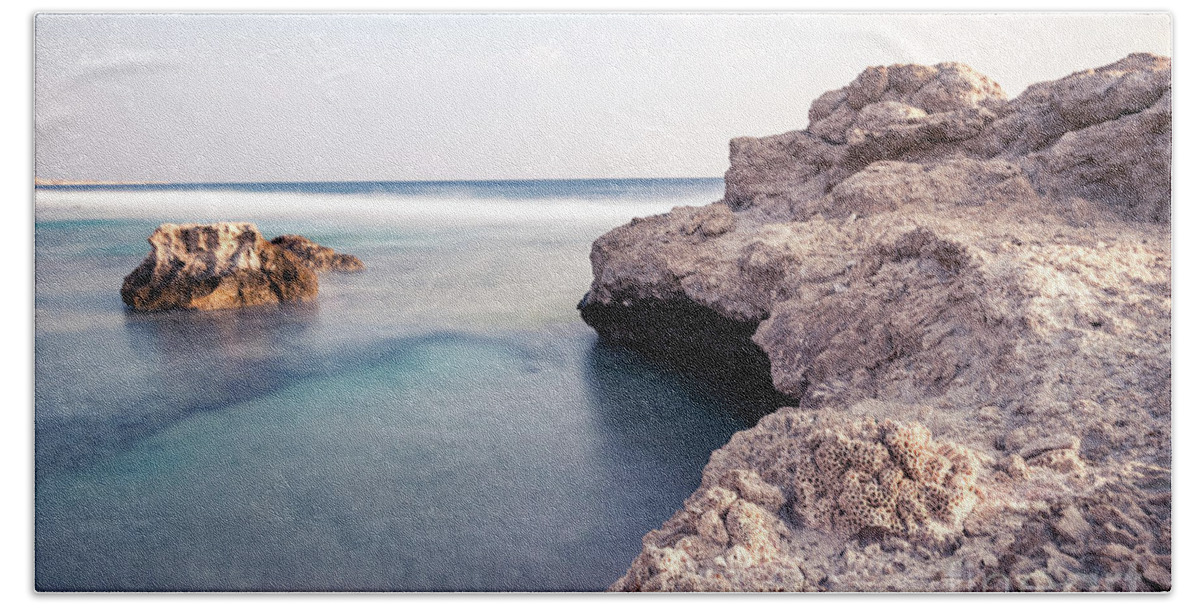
442,421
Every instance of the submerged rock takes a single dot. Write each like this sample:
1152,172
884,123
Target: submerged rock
927,251
213,266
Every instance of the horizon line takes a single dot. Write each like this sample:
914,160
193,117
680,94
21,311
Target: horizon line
39,182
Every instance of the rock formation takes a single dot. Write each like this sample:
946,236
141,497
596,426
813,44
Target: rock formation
317,257
225,265
995,271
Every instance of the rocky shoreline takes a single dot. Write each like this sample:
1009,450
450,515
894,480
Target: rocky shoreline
964,302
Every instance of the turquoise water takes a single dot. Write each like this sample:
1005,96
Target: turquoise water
442,421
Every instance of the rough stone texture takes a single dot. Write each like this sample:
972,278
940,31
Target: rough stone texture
212,266
928,252
1101,134
847,478
789,504
318,257
890,185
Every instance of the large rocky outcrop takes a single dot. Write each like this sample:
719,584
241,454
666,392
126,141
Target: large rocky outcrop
929,252
224,265
1101,134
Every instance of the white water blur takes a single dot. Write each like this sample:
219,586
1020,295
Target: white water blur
351,208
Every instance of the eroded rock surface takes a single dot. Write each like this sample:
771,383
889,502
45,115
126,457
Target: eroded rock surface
318,257
213,266
929,252
819,501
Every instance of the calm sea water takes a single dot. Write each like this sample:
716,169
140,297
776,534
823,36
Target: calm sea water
442,421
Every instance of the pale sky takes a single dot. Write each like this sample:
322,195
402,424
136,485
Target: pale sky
238,97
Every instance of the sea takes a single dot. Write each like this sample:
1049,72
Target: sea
443,421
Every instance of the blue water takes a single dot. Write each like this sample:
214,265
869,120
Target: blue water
442,421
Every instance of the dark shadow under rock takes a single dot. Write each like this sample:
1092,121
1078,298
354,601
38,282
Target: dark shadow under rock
687,338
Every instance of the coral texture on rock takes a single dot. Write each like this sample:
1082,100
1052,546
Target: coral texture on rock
212,266
931,253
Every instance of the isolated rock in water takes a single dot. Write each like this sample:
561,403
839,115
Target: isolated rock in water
998,272
318,257
212,266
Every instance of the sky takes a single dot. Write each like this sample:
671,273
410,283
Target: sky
244,97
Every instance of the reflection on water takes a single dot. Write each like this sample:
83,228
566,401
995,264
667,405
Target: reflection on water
654,411
733,395
171,365
211,358
241,333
